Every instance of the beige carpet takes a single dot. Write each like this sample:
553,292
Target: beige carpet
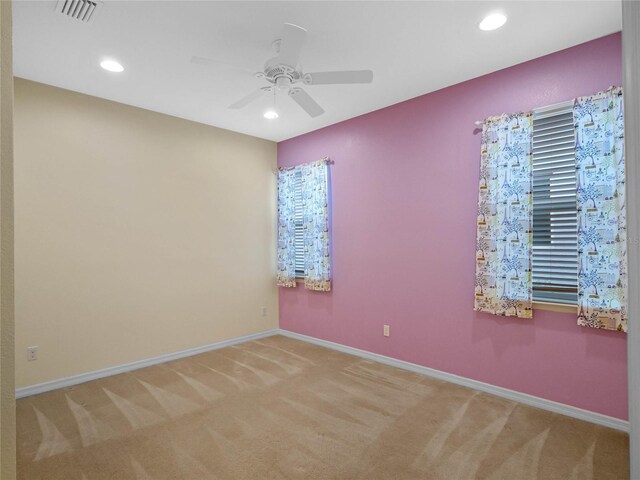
282,409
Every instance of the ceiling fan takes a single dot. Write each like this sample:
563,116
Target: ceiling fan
284,71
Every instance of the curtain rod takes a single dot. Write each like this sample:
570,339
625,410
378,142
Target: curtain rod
537,110
327,160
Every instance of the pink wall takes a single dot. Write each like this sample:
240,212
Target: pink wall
404,210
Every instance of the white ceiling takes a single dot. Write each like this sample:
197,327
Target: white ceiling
412,47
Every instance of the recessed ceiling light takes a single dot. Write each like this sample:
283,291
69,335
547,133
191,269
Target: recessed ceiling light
493,21
271,114
112,66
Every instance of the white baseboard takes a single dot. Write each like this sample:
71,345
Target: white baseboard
127,367
524,398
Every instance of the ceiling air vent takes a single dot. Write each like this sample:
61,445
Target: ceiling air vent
83,10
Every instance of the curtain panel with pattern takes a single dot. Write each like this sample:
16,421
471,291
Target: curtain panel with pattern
286,269
504,217
315,211
602,224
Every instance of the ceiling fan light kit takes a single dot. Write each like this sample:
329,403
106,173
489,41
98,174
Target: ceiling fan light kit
283,72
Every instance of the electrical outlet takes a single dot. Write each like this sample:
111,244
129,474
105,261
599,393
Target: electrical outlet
386,330
263,311
32,353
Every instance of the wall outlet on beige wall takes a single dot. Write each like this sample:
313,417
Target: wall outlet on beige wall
32,353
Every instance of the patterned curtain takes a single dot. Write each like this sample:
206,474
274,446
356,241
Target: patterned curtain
504,232
602,270
286,228
315,208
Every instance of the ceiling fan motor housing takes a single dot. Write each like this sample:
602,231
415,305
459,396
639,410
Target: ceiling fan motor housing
282,76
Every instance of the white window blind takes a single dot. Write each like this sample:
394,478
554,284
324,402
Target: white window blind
555,245
299,239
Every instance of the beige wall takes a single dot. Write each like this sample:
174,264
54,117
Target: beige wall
7,386
137,234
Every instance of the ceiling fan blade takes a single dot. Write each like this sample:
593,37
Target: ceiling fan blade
244,101
307,103
328,78
293,38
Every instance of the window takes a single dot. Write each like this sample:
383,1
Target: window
303,226
555,243
299,239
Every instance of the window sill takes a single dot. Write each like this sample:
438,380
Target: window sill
555,307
